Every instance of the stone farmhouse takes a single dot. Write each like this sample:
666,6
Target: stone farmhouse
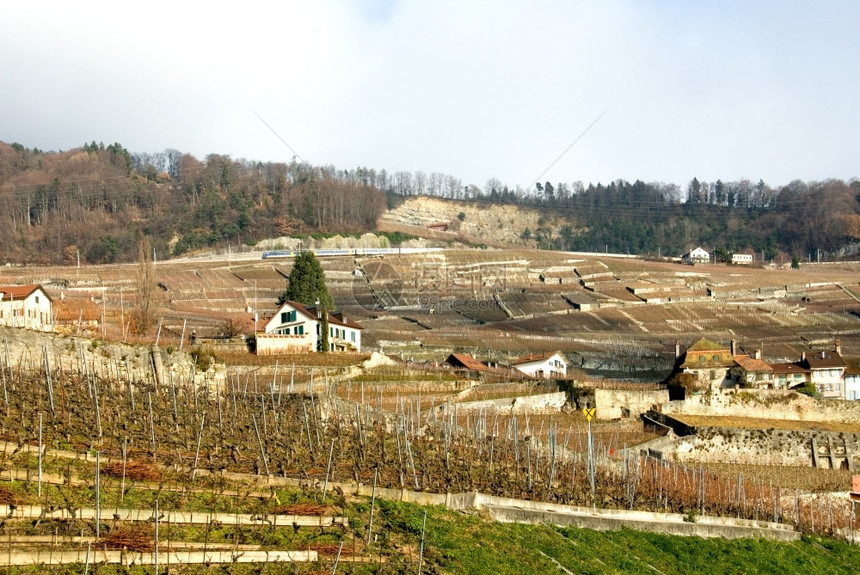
545,365
298,328
26,306
716,367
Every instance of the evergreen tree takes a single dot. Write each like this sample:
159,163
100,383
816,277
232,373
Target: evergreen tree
306,283
323,341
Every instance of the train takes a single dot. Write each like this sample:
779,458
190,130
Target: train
327,252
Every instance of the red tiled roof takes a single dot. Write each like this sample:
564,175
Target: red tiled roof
534,357
337,319
310,312
788,368
466,361
20,292
752,364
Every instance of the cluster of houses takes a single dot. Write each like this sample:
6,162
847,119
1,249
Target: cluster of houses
295,327
715,366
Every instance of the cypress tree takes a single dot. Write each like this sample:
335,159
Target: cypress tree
306,283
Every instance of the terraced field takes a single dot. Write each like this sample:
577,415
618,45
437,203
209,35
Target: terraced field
510,301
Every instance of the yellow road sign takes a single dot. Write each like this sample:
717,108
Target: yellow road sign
589,413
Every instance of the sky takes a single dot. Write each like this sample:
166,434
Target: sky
520,91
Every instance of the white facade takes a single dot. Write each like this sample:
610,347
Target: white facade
697,256
29,307
829,381
852,386
742,259
543,366
298,328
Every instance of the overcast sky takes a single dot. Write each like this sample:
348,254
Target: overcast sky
476,89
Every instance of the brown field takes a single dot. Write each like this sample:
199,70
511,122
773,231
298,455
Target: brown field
788,478
784,312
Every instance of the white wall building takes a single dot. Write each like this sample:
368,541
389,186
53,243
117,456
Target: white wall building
697,256
297,328
546,365
27,306
852,385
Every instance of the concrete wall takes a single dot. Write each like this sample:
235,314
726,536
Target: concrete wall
541,403
755,446
617,404
273,344
602,522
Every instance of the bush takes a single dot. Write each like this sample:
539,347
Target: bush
203,357
807,389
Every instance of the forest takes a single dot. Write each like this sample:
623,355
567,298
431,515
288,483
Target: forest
801,220
94,203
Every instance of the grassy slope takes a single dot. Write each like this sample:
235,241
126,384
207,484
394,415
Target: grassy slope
465,544
455,542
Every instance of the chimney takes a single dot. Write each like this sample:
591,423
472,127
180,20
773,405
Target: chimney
758,354
839,347
802,356
733,346
677,349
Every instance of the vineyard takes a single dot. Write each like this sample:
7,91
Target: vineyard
94,456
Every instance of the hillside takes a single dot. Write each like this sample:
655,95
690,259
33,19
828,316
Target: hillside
614,316
96,203
234,470
497,225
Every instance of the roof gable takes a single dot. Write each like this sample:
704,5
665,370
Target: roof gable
752,364
21,292
537,357
466,361
706,344
825,360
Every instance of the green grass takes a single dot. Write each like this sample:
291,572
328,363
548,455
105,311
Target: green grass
455,542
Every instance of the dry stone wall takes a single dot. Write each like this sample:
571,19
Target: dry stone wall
754,446
767,404
617,404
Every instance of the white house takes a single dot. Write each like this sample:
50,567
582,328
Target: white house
545,365
852,384
827,371
297,328
26,306
742,259
696,256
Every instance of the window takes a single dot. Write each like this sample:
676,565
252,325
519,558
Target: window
300,329
352,336
701,359
716,357
284,316
37,299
